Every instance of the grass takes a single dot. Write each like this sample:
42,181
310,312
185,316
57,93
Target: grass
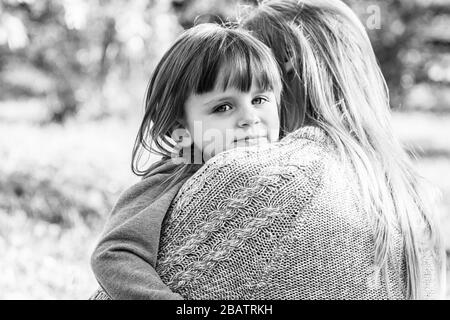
57,185
41,260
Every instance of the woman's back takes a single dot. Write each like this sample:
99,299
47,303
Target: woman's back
284,222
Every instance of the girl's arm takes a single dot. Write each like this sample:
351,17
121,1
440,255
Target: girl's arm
125,258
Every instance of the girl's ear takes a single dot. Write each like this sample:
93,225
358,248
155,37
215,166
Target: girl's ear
179,132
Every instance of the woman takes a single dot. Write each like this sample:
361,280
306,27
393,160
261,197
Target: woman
335,210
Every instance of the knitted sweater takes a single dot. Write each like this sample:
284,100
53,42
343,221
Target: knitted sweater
283,221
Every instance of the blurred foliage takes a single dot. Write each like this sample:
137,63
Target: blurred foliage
75,53
64,175
412,45
67,51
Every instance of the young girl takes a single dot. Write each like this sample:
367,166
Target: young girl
216,89
342,215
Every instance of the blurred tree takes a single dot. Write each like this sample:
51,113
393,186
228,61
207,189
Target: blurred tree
46,51
77,45
412,45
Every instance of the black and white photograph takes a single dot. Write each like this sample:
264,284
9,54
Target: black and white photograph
242,150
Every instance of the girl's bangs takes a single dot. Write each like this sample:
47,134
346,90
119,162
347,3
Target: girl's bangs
238,65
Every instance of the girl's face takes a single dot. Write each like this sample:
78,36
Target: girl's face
220,120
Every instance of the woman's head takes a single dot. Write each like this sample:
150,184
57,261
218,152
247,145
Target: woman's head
211,77
331,79
329,70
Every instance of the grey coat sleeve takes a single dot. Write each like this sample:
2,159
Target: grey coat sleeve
125,257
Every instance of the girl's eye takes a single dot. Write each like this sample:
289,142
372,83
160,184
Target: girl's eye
223,108
259,100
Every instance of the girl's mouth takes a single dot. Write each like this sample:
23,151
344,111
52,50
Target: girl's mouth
250,141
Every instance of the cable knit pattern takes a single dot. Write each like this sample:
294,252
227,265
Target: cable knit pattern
281,221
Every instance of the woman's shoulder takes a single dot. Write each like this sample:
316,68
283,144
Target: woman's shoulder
310,132
304,147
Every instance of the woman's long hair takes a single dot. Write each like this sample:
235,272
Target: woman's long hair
192,65
329,69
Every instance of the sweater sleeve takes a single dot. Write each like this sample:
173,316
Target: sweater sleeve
125,257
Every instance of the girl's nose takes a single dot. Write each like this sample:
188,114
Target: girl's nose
248,116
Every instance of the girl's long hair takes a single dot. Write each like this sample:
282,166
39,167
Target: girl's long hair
192,66
337,85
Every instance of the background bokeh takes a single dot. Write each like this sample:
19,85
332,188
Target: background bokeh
73,75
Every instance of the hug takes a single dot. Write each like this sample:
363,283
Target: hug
302,190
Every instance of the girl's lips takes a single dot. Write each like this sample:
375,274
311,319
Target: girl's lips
247,141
